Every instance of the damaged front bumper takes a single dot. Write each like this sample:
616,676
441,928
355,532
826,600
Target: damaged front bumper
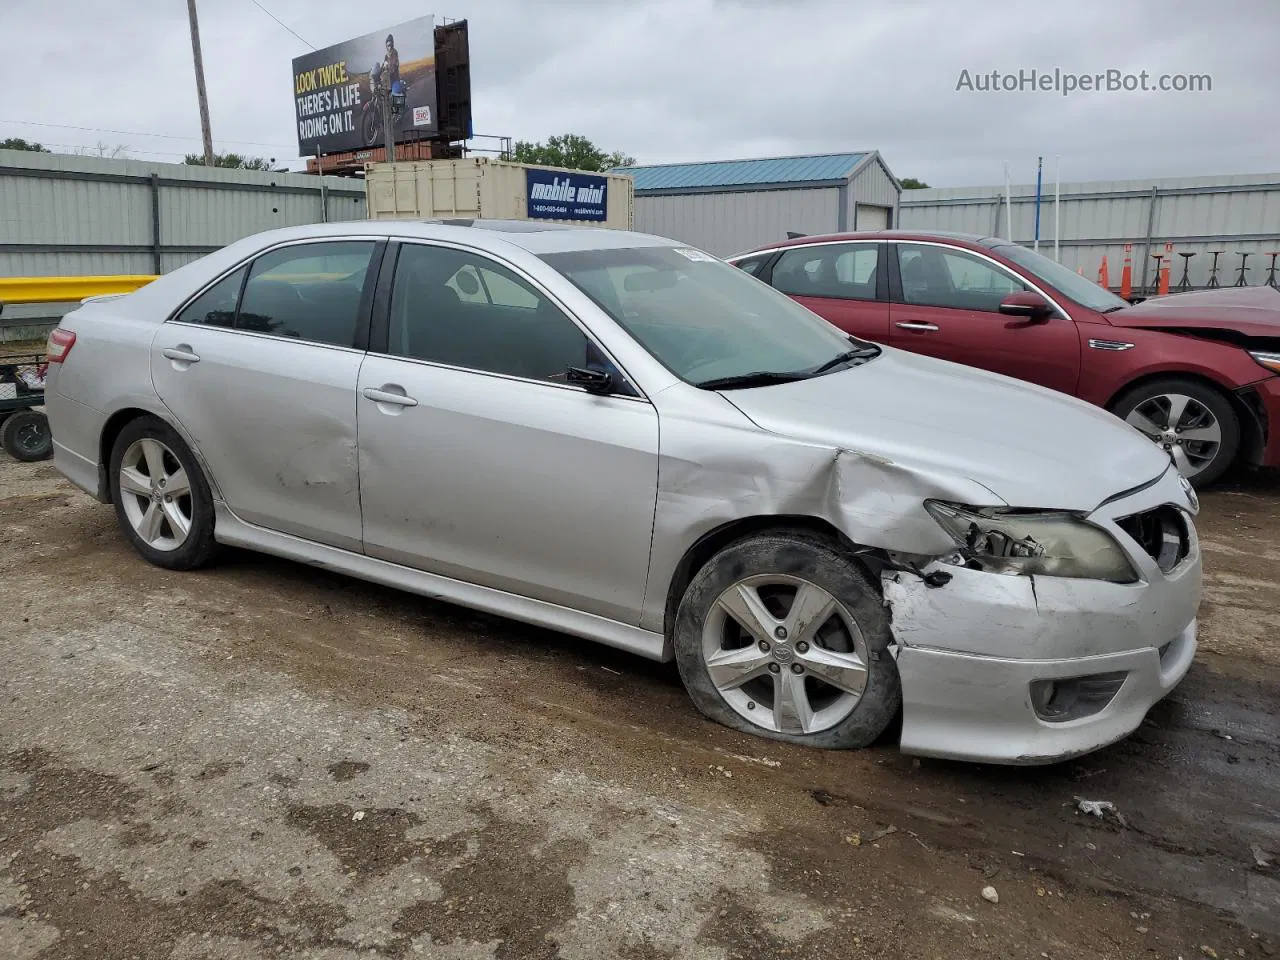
1027,670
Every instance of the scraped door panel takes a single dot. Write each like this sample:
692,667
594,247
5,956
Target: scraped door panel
275,421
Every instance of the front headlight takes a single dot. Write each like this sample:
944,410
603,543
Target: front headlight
1267,358
1023,543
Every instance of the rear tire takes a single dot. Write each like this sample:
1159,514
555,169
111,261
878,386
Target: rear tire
25,435
1197,410
162,499
819,676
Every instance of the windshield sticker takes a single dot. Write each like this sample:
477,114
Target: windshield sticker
696,255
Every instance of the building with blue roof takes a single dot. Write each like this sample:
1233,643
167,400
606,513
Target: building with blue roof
728,206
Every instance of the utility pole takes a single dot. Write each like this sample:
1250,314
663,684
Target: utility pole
205,131
387,128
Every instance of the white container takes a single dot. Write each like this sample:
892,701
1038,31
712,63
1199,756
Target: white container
477,187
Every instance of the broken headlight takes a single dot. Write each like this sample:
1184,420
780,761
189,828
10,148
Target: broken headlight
1053,544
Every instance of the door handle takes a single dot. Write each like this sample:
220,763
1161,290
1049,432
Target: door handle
181,353
918,325
386,395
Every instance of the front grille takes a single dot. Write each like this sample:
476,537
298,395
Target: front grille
1162,533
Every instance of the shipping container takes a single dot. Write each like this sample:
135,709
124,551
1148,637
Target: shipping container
477,187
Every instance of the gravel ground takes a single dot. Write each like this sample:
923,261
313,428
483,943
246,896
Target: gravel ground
265,760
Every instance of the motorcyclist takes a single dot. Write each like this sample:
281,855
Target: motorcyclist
392,61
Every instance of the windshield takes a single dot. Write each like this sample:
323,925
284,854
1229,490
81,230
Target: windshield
1082,291
709,323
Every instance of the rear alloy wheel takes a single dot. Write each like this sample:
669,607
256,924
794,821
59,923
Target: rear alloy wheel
783,635
162,500
1194,423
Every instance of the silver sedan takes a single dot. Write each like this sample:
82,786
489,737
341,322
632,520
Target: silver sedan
623,438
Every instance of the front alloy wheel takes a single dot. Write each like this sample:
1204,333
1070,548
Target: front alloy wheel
1182,425
1194,423
785,654
783,635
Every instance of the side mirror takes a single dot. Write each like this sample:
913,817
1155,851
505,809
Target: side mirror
1028,305
591,379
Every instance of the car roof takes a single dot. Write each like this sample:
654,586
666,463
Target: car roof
531,235
502,238
959,239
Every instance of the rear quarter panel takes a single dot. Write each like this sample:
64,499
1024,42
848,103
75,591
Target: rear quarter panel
107,370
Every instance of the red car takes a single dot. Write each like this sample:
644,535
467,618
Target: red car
1196,372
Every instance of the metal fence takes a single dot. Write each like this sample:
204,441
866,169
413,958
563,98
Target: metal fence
74,216
1197,215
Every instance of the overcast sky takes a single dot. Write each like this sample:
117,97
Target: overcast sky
673,80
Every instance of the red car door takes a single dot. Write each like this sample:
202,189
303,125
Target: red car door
946,304
844,283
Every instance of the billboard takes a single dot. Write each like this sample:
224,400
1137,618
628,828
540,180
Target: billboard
555,195
338,91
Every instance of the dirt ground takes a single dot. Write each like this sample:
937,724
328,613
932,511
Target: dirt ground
264,760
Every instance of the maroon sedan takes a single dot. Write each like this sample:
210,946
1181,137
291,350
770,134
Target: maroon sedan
1195,372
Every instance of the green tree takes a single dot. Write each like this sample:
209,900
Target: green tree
911,183
570,150
17,143
235,161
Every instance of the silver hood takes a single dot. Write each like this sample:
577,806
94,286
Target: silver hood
1030,446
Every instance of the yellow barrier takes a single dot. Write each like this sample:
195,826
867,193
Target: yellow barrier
65,289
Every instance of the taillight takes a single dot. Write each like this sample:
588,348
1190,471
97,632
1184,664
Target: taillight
60,344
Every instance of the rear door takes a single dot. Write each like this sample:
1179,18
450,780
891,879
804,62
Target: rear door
844,283
946,304
260,369
480,462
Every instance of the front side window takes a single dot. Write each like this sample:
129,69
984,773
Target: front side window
462,309
309,291
940,277
835,271
704,320
1078,288
216,307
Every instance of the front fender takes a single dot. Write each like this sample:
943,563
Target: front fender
719,468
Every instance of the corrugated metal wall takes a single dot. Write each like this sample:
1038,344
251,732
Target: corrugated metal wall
729,223
1195,214
66,215
875,187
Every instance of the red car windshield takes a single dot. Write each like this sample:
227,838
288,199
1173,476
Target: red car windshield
1083,291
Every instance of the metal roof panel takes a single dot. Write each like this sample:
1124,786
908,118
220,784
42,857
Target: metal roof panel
732,173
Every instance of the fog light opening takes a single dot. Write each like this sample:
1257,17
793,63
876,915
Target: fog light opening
1074,698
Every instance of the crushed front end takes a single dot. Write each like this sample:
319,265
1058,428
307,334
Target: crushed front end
1049,636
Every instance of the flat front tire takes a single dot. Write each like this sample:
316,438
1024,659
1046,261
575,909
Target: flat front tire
783,635
162,499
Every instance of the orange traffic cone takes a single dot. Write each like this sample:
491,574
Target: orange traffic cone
1126,273
1104,276
1164,277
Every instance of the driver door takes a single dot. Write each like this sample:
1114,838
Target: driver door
946,304
480,462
